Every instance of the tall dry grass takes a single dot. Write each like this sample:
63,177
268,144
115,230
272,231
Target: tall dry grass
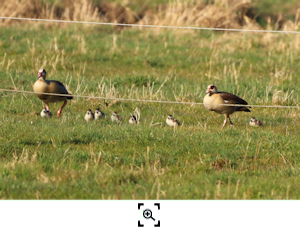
77,10
218,14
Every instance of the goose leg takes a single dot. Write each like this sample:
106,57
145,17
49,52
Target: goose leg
231,124
225,121
59,111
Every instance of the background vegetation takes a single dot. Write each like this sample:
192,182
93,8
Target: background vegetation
67,158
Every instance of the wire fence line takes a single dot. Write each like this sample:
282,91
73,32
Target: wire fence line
151,26
145,100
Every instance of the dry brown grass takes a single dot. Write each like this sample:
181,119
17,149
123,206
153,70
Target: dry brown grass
77,10
219,14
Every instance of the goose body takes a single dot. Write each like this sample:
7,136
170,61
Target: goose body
213,98
50,86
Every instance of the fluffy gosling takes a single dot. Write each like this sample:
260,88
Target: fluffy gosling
89,116
255,122
99,114
115,117
172,121
46,113
132,119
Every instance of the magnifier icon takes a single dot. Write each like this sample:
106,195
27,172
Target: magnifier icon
147,213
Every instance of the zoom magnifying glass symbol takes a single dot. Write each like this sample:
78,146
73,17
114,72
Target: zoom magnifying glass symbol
147,213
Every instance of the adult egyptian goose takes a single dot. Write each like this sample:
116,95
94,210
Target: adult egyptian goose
172,121
89,116
45,113
255,122
213,98
116,117
132,119
99,114
49,86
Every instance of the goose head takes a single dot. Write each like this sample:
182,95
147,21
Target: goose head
42,73
211,89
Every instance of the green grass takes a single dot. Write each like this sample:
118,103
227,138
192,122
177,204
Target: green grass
67,158
273,8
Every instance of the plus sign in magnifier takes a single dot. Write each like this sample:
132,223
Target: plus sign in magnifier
147,213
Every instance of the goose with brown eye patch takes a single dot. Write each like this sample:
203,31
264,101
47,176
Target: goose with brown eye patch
115,117
172,121
216,101
99,114
50,86
45,113
89,116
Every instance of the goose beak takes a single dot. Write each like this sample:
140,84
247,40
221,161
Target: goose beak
207,91
40,74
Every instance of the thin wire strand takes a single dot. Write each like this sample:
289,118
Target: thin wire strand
148,101
151,26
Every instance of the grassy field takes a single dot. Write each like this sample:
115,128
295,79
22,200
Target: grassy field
67,158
